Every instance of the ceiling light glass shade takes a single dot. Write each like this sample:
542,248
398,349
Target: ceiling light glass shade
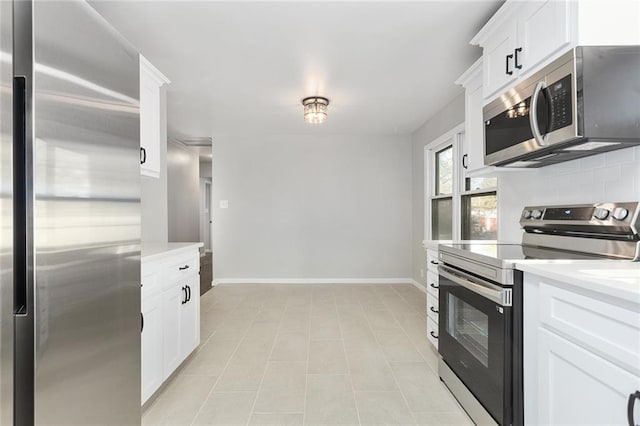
315,109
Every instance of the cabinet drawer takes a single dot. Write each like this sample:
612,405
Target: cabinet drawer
611,330
432,332
432,261
432,307
180,268
150,278
432,283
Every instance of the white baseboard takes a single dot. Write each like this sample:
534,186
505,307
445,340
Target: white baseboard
419,286
314,281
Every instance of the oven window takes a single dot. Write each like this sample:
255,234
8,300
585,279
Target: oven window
469,326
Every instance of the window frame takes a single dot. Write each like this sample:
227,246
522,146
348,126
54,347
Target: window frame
459,220
451,138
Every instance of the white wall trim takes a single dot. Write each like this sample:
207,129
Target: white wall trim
315,281
419,286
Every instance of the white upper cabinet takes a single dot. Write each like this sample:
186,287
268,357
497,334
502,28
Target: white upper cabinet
151,80
473,142
524,36
544,28
498,58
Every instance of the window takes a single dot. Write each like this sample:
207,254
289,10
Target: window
442,201
457,207
480,209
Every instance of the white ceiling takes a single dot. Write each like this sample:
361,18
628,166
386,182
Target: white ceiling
243,67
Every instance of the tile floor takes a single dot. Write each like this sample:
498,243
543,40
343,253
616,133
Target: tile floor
313,354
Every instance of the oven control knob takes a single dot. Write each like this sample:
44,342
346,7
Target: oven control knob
620,213
526,214
601,214
536,214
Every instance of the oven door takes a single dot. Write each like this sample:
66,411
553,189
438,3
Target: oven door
475,337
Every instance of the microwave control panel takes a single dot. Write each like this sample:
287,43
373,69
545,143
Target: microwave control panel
559,98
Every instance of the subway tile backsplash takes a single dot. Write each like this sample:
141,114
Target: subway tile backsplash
612,176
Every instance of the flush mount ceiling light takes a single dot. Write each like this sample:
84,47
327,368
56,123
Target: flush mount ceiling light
315,109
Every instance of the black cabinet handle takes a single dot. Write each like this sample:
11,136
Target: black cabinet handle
435,336
433,262
141,322
508,71
464,161
182,268
630,406
184,295
188,293
516,61
434,286
435,311
143,155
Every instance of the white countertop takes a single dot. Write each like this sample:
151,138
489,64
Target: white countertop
153,250
617,278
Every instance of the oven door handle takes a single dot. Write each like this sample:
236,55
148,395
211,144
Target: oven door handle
490,291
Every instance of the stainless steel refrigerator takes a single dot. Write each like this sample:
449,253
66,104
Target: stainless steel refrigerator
70,228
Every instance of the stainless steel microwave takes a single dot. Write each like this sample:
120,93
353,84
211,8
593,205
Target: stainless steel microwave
584,103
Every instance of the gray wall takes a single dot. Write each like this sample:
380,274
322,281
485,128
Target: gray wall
447,118
154,191
183,184
312,207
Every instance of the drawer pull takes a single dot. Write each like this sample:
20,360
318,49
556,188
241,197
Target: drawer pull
188,293
630,404
182,268
432,309
184,295
432,285
433,262
434,335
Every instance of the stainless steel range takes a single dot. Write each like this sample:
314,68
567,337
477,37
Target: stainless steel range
480,298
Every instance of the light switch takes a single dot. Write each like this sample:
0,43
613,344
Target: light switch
224,204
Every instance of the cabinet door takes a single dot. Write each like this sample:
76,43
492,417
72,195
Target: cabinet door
149,124
171,312
543,30
432,331
474,128
190,318
151,345
577,387
498,47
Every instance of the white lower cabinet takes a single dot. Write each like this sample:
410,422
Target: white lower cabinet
152,366
581,355
171,310
577,387
171,314
190,318
432,331
432,297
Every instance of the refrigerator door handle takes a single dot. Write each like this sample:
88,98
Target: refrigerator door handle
20,206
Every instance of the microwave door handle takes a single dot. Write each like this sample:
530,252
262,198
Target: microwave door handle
498,296
533,114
